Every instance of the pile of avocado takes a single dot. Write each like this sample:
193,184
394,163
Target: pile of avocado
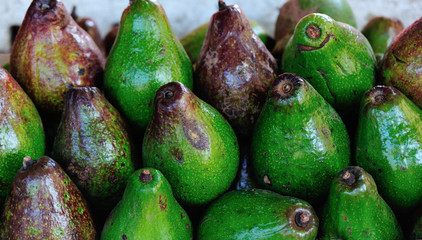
226,134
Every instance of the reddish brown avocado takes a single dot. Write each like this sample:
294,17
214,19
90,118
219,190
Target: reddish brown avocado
51,53
45,204
401,66
234,68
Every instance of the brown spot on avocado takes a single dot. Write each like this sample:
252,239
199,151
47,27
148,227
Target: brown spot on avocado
267,180
306,48
162,201
124,237
193,133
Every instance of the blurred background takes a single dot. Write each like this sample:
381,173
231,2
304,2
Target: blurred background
186,15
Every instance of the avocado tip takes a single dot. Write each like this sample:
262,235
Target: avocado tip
313,31
302,219
349,178
27,162
145,176
221,5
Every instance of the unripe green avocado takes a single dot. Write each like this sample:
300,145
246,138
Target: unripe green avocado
334,57
21,130
191,144
147,210
258,214
299,142
146,55
355,210
389,147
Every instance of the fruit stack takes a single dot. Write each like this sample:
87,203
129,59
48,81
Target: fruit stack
226,134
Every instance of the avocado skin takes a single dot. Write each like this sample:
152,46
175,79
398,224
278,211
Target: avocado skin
21,131
357,211
192,145
256,214
51,53
339,63
381,32
44,203
194,40
401,64
299,142
388,146
147,211
293,10
146,55
93,146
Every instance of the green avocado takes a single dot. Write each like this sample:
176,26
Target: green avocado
355,210
21,130
389,147
381,32
334,57
299,142
194,40
93,146
146,55
258,214
147,210
191,144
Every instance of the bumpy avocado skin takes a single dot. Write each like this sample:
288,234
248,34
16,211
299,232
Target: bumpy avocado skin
388,145
194,40
338,61
381,32
401,64
191,144
256,214
357,211
299,141
146,55
93,146
44,203
147,210
21,130
293,10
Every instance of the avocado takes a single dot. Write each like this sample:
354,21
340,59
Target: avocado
355,210
147,210
234,69
381,32
401,64
146,55
299,142
93,146
21,130
191,144
335,58
44,203
388,145
258,214
193,41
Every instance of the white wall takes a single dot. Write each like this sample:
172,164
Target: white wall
186,15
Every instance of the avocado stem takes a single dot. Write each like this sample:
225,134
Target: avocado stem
302,219
221,5
168,94
145,176
313,31
27,162
349,178
379,98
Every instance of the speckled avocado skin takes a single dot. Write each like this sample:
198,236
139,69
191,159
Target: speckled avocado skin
93,146
21,130
147,210
191,144
234,69
146,55
334,57
357,211
45,204
256,214
299,141
388,145
52,53
401,64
